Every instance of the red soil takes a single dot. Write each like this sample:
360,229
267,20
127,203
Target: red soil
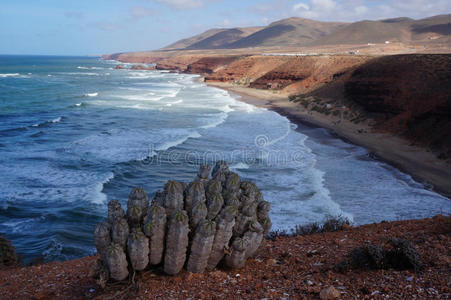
294,268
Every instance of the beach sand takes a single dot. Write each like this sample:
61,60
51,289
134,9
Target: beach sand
421,164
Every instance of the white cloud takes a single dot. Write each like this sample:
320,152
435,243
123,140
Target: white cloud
301,6
182,4
350,10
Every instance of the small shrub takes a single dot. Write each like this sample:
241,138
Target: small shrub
305,103
396,253
330,225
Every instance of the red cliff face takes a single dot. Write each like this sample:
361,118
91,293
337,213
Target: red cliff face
409,95
142,67
247,69
303,74
209,65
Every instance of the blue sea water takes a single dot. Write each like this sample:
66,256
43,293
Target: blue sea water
76,133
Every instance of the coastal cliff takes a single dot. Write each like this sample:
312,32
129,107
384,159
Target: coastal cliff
406,95
403,100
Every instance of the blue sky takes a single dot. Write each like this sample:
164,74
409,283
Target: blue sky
105,26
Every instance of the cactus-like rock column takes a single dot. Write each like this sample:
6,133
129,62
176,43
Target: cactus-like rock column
197,225
176,242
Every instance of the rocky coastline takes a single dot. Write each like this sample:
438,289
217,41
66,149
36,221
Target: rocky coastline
395,105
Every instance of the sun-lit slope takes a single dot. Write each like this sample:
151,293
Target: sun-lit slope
288,32
399,29
184,43
223,38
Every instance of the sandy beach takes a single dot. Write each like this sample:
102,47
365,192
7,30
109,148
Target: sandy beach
422,165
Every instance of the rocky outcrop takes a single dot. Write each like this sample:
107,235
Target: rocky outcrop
195,226
177,63
209,65
306,73
8,256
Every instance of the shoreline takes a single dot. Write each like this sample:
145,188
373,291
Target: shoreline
421,165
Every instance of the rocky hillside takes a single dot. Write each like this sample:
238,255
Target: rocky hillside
393,30
294,267
408,95
213,38
286,33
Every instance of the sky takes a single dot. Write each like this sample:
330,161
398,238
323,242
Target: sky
94,27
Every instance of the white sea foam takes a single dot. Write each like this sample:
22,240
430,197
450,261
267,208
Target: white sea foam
79,104
239,166
81,73
90,68
56,120
226,109
218,119
3,75
123,145
98,197
137,106
14,75
91,94
175,102
169,144
151,96
144,97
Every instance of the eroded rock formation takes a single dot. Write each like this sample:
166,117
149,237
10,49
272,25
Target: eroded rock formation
196,226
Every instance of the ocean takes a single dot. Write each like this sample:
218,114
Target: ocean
76,133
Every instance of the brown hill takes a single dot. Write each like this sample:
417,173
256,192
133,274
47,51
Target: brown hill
399,30
213,38
408,95
224,37
288,32
185,43
368,32
297,32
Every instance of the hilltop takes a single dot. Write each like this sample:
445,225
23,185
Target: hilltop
298,32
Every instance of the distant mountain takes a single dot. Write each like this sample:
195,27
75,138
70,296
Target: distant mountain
288,32
297,32
224,37
182,44
399,29
213,38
